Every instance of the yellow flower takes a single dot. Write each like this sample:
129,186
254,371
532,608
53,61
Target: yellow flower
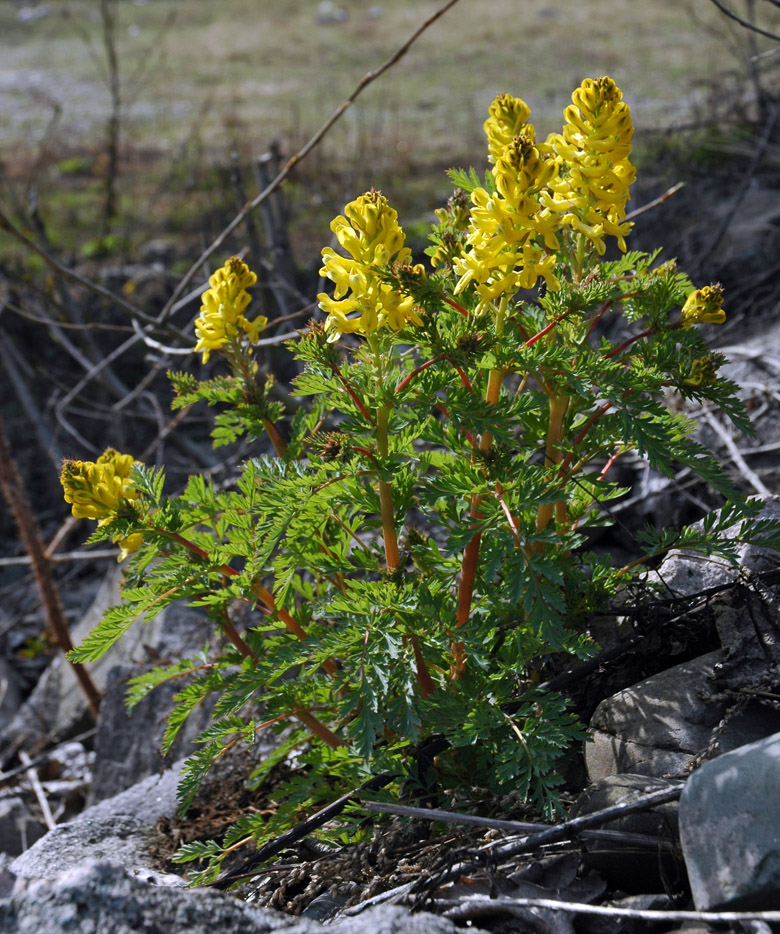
362,302
512,237
592,187
128,544
704,370
96,490
703,306
508,118
222,313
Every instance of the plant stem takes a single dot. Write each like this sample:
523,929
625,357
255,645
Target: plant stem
386,492
258,589
351,392
232,633
553,456
471,552
280,445
424,366
318,729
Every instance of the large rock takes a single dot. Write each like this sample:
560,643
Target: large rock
57,706
659,726
120,829
730,829
684,573
127,744
100,897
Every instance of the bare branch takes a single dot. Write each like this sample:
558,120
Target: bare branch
743,22
475,903
7,225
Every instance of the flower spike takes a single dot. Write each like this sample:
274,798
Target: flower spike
222,318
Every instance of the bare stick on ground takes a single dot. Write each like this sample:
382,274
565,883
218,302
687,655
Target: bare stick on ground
13,490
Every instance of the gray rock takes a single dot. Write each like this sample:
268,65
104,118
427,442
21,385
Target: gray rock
661,725
685,573
100,897
7,878
57,705
748,624
123,840
730,829
657,726
120,829
619,789
10,693
127,743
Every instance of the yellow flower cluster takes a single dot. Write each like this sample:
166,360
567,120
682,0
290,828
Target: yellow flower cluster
704,370
362,302
511,240
703,306
507,119
591,188
96,489
222,319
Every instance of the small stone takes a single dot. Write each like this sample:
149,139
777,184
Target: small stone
730,829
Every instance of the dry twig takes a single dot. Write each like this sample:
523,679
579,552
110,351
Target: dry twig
14,492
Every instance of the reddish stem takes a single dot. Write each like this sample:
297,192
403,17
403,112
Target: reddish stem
499,494
365,452
599,316
353,395
546,330
610,462
318,729
405,382
424,680
463,378
567,461
232,633
471,552
259,590
627,343
280,445
458,307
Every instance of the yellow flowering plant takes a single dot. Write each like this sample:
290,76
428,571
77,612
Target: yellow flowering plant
414,544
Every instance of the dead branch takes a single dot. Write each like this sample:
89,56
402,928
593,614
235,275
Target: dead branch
9,227
743,22
747,472
484,905
35,783
16,497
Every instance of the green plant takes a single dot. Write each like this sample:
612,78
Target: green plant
417,546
